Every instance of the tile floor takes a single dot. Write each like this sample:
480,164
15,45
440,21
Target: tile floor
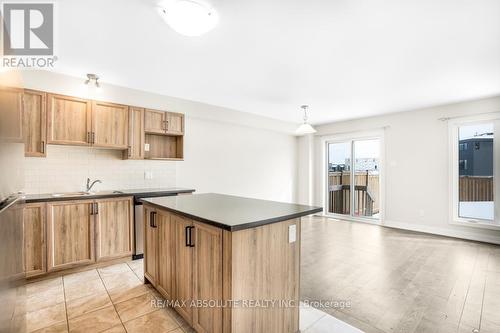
114,299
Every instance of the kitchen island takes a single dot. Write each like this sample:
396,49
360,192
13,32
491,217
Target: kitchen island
226,263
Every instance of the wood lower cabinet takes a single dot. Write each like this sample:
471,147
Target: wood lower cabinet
70,234
113,228
207,276
213,266
166,254
11,106
109,125
135,149
78,232
183,265
150,246
35,123
183,260
34,224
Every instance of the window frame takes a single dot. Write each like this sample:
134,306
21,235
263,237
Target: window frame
454,172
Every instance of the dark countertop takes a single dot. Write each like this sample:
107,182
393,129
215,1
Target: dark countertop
230,212
137,193
4,205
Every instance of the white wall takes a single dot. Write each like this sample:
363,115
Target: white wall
416,177
225,151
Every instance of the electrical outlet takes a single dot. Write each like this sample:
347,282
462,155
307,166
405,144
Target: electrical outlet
292,233
146,147
148,175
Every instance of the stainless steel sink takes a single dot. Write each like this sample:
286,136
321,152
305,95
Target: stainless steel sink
71,194
81,194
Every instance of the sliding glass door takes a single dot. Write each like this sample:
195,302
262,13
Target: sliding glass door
353,178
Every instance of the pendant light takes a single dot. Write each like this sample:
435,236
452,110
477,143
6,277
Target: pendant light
305,128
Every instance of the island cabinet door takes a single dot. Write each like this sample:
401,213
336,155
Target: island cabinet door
150,246
207,278
114,228
183,266
70,234
166,254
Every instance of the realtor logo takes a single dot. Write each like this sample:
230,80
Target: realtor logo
28,29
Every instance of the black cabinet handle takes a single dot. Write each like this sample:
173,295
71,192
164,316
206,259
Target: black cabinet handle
153,220
191,244
186,230
43,147
93,137
92,209
96,211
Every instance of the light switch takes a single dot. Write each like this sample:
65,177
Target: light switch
146,147
292,233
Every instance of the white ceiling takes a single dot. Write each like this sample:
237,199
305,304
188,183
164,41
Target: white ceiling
345,58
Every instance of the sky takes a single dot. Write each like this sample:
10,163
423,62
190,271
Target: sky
469,131
339,152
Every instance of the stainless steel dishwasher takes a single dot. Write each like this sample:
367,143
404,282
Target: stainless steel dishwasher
139,230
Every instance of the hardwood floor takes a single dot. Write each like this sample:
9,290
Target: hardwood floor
400,281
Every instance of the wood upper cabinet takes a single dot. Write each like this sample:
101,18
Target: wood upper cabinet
207,276
166,254
109,125
183,265
11,105
174,123
35,123
135,134
69,120
34,239
150,246
113,228
70,234
154,121
161,122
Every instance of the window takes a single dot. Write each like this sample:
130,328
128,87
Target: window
474,198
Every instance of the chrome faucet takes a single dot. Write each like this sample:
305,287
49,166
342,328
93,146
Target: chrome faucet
89,185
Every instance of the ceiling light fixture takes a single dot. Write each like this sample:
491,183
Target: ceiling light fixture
189,17
305,128
93,78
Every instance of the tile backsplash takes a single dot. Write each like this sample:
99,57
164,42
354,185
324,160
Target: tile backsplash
67,168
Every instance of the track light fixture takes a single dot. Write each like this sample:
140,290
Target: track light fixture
93,78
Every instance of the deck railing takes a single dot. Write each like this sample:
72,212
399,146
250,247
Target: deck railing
366,192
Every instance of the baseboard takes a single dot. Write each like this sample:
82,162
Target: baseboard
442,232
